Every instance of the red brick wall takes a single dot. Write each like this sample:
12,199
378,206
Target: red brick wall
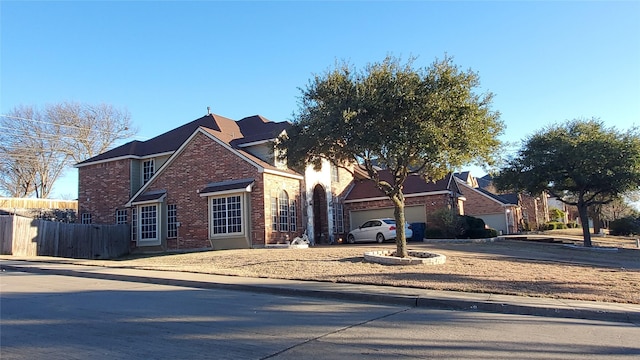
204,161
274,184
103,188
479,204
431,203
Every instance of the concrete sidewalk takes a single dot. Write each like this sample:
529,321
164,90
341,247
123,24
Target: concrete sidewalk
628,313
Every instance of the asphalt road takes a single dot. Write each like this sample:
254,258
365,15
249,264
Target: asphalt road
65,317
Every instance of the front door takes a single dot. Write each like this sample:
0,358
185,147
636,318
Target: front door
320,218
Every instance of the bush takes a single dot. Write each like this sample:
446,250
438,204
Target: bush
433,234
625,226
554,225
491,233
572,225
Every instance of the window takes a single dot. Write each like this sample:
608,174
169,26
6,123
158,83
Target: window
226,215
134,224
86,218
149,222
172,221
338,216
121,216
284,211
148,169
335,175
292,215
274,213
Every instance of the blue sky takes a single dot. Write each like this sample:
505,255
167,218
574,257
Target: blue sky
167,61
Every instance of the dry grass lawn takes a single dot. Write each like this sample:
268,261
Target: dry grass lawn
526,268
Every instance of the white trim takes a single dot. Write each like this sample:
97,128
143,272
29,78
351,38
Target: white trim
244,216
253,143
158,200
231,191
429,193
152,241
124,157
282,173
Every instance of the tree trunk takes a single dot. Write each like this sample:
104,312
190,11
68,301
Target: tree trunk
401,238
595,215
584,219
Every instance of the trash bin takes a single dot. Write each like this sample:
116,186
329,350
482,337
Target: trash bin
418,229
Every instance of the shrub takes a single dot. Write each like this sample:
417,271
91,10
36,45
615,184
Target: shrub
572,225
625,226
554,225
433,234
491,233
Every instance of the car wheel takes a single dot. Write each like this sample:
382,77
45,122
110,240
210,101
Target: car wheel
380,238
351,239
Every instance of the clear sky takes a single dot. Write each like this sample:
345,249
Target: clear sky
166,61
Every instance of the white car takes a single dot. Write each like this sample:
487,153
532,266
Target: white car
377,230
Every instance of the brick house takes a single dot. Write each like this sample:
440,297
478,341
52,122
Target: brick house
509,213
364,201
215,183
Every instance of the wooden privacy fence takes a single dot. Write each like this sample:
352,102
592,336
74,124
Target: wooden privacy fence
22,236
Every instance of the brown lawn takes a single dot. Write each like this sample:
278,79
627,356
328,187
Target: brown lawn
514,267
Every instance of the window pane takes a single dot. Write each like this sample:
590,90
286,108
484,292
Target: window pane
292,214
274,213
121,216
134,223
148,169
172,221
148,222
284,211
226,215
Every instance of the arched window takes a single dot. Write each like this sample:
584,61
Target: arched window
283,213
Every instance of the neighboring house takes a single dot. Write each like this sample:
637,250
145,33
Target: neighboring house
364,201
508,212
215,183
500,212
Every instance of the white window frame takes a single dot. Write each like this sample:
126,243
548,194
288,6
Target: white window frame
274,213
85,218
231,229
121,216
148,170
134,223
335,173
172,221
293,222
338,216
143,229
283,212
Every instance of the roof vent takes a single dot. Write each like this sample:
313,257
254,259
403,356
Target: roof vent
208,110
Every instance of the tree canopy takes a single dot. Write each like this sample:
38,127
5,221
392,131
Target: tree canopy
37,145
389,115
581,162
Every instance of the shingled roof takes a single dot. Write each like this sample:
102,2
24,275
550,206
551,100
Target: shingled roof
414,185
247,130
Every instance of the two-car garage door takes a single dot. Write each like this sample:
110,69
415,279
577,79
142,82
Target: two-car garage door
412,214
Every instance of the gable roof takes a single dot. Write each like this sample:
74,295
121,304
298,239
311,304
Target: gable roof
414,185
249,129
502,199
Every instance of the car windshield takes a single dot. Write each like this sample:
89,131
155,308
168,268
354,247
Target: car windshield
389,221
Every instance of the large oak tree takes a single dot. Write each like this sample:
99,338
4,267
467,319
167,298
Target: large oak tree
390,115
581,162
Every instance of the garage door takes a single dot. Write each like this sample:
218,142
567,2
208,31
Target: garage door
495,221
411,213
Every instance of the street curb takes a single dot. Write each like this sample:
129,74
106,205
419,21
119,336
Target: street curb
387,299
